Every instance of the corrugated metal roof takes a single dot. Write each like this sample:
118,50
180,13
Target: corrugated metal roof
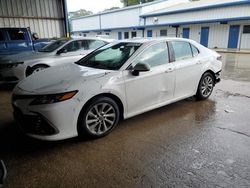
195,5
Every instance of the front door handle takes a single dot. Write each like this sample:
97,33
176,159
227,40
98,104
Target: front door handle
198,62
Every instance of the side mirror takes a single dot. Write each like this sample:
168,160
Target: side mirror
63,50
3,173
140,67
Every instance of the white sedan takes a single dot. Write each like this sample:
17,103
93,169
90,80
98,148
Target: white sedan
14,68
115,82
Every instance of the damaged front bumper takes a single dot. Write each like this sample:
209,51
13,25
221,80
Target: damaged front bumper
217,77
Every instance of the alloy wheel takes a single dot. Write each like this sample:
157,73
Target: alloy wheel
100,118
207,86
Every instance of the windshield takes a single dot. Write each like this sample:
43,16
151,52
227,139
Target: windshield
110,57
53,46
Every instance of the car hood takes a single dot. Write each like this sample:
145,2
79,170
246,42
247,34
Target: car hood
59,79
22,57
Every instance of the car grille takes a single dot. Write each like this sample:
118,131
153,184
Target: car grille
20,97
33,124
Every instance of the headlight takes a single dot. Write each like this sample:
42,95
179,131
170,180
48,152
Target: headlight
10,65
53,98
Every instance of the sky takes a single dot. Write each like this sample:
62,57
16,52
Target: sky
93,5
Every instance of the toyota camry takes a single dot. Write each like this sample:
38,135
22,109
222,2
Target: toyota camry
115,82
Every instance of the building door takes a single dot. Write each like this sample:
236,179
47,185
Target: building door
149,33
119,35
185,33
204,36
233,36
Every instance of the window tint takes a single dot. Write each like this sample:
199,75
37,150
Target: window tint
53,46
194,50
73,46
154,55
110,57
126,35
16,34
1,36
163,33
93,44
83,44
133,34
182,50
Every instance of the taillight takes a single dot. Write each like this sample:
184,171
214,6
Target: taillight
219,58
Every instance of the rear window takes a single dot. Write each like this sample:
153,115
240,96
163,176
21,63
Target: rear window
16,34
182,50
194,50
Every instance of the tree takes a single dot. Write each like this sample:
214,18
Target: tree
78,13
112,8
134,2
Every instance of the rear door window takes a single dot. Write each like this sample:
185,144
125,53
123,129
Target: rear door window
194,50
16,34
182,50
73,46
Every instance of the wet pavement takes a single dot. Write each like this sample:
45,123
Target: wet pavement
186,144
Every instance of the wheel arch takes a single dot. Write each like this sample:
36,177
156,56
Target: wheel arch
29,67
109,95
213,74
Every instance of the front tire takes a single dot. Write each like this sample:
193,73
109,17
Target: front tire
98,118
205,87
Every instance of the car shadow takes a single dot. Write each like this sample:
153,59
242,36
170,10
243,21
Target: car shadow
7,87
14,143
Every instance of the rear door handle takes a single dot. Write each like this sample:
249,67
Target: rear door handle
198,62
169,70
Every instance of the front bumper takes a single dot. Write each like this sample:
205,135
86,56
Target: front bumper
34,124
12,74
217,77
47,122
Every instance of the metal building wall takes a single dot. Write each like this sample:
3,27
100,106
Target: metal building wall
44,17
87,23
209,14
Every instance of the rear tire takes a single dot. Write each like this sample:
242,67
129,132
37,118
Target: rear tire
98,118
206,86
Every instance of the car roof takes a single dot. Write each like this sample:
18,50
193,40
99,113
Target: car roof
152,40
92,38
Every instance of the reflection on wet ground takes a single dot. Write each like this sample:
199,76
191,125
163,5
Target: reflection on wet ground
236,67
186,144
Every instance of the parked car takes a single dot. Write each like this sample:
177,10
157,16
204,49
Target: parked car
14,68
17,40
115,82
